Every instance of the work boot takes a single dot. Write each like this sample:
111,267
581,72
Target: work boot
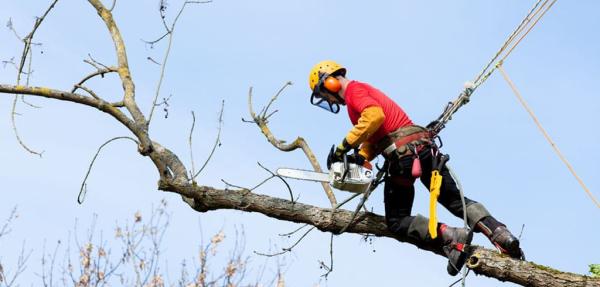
453,245
499,235
506,242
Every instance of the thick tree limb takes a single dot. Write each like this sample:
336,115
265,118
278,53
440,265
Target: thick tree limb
125,75
75,98
483,261
503,268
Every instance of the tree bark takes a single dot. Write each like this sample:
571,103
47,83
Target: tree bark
492,264
482,261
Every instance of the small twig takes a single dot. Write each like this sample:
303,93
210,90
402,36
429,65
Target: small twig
113,5
273,175
329,268
286,249
165,103
191,148
291,233
248,121
266,109
282,179
27,78
26,51
217,142
461,279
99,72
11,27
233,185
16,131
83,189
169,33
11,61
88,90
21,265
118,104
152,60
271,114
95,64
360,205
521,233
6,227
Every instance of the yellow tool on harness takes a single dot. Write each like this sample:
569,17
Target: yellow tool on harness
434,193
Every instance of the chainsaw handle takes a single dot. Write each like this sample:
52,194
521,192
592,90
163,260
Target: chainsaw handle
346,166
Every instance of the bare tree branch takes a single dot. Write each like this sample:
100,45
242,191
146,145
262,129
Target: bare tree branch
6,226
261,121
328,268
191,146
99,72
26,51
70,97
170,32
83,189
126,78
216,144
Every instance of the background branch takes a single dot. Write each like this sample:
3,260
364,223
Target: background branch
27,41
83,189
169,32
217,143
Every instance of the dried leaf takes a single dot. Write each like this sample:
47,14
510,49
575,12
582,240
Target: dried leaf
138,216
84,280
280,281
157,281
215,240
118,232
231,269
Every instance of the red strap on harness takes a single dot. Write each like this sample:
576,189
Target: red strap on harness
410,138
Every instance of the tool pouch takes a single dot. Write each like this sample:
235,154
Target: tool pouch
416,167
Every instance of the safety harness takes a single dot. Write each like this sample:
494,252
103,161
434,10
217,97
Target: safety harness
409,141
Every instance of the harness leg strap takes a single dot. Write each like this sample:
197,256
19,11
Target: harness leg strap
475,213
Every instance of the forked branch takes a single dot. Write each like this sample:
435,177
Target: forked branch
261,120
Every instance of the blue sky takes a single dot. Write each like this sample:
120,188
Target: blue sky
418,52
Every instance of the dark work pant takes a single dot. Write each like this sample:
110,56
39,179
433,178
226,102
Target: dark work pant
399,193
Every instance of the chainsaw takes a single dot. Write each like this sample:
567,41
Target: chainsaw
342,175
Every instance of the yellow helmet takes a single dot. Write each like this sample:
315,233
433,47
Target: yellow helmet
324,69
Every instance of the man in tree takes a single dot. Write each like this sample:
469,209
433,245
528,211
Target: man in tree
382,127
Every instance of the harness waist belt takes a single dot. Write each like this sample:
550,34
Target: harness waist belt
405,140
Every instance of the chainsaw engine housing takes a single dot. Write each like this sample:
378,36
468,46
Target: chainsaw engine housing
357,180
